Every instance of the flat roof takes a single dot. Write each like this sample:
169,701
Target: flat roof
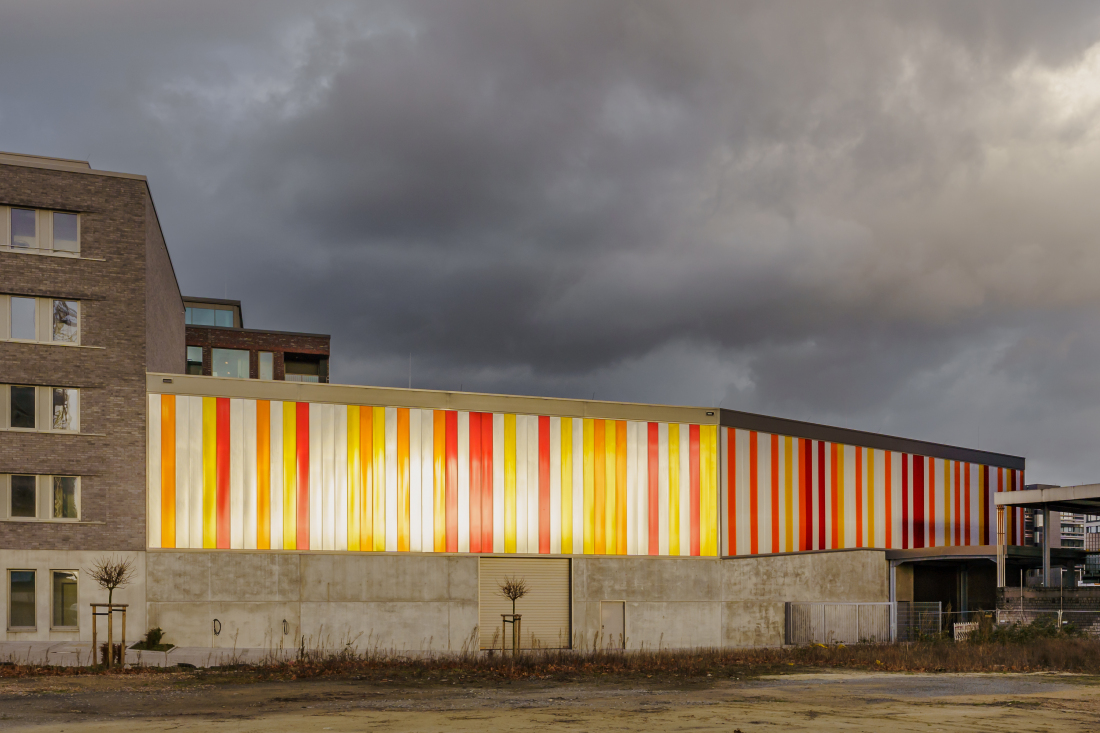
831,434
60,164
260,330
1083,499
211,301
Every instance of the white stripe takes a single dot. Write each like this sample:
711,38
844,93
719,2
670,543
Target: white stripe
328,477
154,471
340,473
498,482
415,472
316,490
521,483
276,505
532,483
249,470
427,480
555,485
662,487
391,479
194,460
578,486
723,492
463,481
183,514
236,474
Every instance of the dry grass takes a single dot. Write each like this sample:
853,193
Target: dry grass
1057,654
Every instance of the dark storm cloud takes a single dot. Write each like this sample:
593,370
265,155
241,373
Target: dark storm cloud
875,214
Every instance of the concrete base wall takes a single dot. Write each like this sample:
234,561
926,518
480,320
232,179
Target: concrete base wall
403,602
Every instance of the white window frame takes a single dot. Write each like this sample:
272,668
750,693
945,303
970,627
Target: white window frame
43,498
43,320
43,410
43,239
77,574
7,593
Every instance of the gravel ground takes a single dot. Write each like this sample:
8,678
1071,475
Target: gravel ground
818,701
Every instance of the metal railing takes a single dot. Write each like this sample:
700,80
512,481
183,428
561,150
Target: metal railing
860,623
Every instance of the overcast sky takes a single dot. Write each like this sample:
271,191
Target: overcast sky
883,216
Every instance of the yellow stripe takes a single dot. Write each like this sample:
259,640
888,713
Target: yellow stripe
789,447
611,523
589,487
708,489
509,483
402,479
355,479
290,477
209,472
673,488
567,485
379,479
870,497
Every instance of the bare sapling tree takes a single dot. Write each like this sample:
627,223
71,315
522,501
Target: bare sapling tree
513,589
111,573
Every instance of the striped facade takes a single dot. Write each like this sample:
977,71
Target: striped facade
786,494
228,473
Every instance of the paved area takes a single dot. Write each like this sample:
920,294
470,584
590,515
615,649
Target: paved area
800,702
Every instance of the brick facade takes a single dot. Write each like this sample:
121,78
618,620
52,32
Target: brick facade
119,317
254,340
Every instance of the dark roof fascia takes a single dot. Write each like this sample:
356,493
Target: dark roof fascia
212,301
262,330
830,434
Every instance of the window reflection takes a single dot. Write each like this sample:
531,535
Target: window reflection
23,228
66,319
230,363
64,497
64,409
65,237
64,599
23,318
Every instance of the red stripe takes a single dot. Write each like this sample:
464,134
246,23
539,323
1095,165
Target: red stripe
920,526
475,482
544,485
775,493
451,418
693,472
888,479
753,511
731,486
487,482
966,507
905,501
958,502
820,495
302,442
222,468
859,496
805,506
654,452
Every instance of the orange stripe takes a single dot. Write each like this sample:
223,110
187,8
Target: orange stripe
263,474
439,456
167,470
599,449
859,497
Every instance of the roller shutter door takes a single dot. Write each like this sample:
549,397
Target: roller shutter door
545,608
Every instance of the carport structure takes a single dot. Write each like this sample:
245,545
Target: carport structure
1083,499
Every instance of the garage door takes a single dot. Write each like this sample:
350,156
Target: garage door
545,608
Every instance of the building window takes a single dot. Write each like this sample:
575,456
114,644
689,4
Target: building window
66,321
22,407
194,360
301,368
66,409
23,319
21,599
24,497
64,497
64,600
196,316
24,229
66,232
230,363
267,365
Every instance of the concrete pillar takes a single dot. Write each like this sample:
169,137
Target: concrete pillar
1001,547
1046,545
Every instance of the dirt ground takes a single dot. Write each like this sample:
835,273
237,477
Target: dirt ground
810,701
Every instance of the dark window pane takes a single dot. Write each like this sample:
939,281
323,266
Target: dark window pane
224,318
64,599
64,497
23,496
23,228
22,599
22,407
194,360
66,319
64,233
23,319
